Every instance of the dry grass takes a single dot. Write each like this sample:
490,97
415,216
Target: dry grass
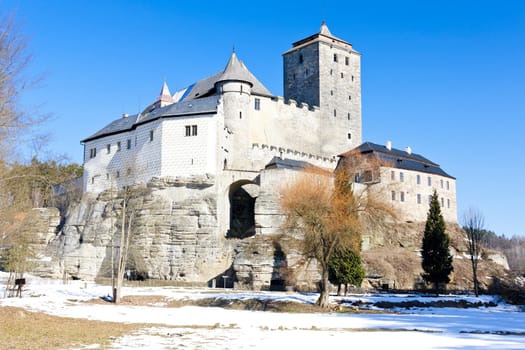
21,329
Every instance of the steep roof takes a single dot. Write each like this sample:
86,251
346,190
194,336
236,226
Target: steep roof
200,106
235,70
285,163
396,158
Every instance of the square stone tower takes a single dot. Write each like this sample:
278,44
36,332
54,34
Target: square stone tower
325,71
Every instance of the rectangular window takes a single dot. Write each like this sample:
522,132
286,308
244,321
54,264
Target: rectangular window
335,57
401,177
429,181
347,61
92,152
448,203
441,183
429,199
349,136
194,130
128,144
107,176
393,195
118,146
448,185
92,180
418,198
418,179
442,202
392,175
117,175
108,148
402,196
257,104
335,113
188,130
150,135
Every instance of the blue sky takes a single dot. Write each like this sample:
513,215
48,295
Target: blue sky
444,77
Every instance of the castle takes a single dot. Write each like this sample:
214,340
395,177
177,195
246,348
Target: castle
228,141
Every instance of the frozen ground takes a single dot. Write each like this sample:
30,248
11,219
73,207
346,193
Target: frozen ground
191,327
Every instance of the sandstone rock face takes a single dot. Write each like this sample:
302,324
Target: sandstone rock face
174,234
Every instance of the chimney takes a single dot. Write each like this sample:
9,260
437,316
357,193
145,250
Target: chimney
408,150
389,145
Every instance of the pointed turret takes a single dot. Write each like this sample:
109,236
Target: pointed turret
324,29
236,71
165,97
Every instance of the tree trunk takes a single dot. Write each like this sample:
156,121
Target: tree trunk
338,289
323,301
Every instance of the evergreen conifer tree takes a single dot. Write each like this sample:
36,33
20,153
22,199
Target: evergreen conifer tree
437,261
344,268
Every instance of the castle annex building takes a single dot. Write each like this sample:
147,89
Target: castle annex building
216,152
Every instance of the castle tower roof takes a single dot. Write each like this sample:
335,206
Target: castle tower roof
323,35
235,70
165,97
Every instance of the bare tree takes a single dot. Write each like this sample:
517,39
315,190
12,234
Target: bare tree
13,62
326,213
473,223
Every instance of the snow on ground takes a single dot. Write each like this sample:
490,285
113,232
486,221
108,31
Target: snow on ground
192,327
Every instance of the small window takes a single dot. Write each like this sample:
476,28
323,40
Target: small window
401,177
118,146
429,199
128,171
150,135
448,185
92,180
117,175
335,57
418,179
335,113
442,202
349,97
393,195
352,78
342,75
347,60
188,130
429,181
418,198
331,71
257,104
194,130
108,148
92,152
300,58
441,183
392,175
240,114
348,116
332,92
402,196
448,203
107,176
128,144
349,136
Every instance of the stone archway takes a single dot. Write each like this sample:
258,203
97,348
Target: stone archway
242,197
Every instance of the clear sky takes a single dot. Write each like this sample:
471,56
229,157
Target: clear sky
444,77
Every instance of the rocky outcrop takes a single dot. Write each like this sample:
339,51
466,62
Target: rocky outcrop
174,234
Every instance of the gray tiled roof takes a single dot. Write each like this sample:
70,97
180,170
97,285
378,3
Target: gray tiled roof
185,108
234,70
278,162
399,159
